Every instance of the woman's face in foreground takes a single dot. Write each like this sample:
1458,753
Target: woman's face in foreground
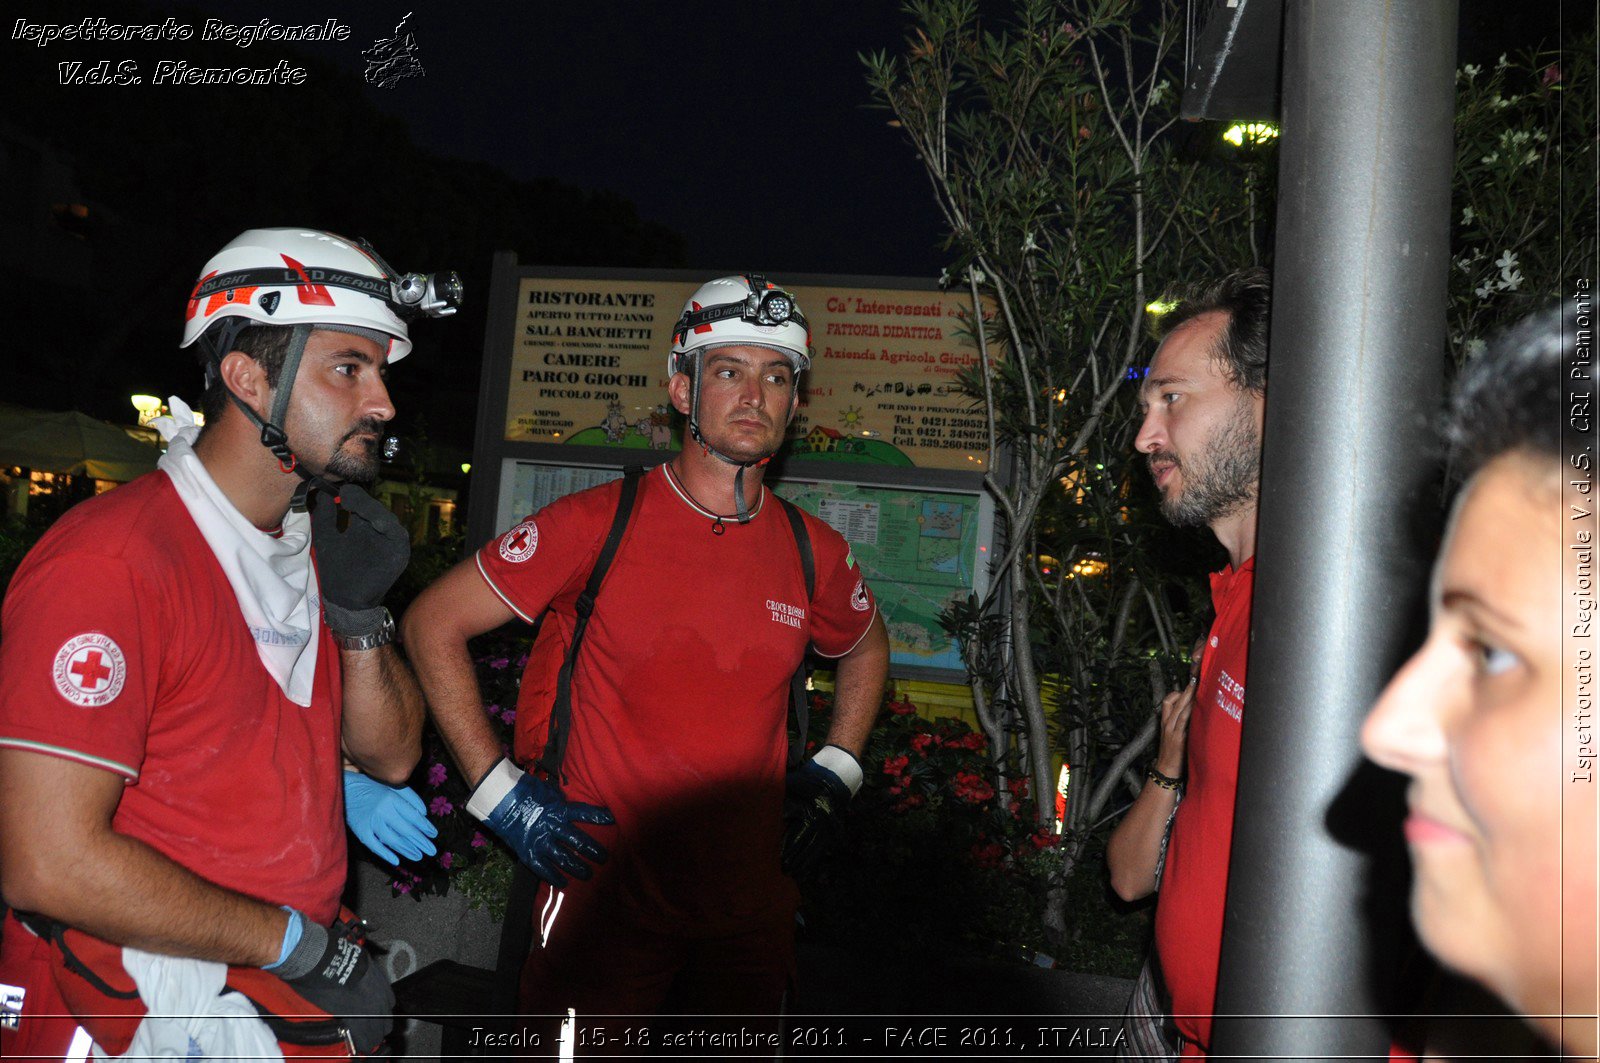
1485,719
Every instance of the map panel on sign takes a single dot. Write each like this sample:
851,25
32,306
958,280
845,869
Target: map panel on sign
919,551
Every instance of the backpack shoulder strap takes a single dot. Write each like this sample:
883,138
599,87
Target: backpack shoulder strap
555,746
802,539
798,702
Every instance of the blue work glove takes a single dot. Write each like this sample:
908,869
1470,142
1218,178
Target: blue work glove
815,795
387,819
532,817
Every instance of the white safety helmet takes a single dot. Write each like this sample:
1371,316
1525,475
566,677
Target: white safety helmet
745,310
297,277
303,280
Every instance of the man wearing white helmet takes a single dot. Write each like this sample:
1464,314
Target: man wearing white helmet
179,683
675,759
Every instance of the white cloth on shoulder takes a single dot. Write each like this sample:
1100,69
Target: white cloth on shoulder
191,1016
271,575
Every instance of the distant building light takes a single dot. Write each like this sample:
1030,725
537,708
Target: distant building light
466,466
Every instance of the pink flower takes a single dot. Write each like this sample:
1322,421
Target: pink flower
446,859
492,710
436,774
441,806
478,840
401,887
1552,74
921,741
895,765
498,662
902,708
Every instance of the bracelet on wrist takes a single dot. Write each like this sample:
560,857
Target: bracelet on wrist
1166,782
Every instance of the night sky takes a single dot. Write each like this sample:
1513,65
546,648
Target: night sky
745,129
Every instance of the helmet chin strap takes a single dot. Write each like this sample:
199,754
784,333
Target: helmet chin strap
741,510
273,436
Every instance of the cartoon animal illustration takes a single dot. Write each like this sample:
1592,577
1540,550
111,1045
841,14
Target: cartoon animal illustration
657,428
614,424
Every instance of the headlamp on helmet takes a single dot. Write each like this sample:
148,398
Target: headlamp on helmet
411,296
765,305
741,309
431,294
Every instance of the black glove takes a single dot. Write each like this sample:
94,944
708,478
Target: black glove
814,797
356,564
331,970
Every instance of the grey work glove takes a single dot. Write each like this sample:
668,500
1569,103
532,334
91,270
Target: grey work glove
358,563
330,967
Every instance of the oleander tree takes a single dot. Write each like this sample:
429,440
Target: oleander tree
1523,198
1073,199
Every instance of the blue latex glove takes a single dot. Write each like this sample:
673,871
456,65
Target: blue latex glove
387,819
537,822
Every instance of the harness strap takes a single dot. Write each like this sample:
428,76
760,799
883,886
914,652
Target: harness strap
555,746
798,702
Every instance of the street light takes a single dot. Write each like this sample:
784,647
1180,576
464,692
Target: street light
149,408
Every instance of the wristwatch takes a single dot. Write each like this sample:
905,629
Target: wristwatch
372,639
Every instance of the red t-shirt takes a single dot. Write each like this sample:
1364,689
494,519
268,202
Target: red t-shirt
1195,882
681,690
124,648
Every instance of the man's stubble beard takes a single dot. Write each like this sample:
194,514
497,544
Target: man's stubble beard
345,467
1224,480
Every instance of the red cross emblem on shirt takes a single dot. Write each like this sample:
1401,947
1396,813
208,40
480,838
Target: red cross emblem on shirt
90,672
520,542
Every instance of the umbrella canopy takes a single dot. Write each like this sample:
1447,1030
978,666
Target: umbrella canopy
72,443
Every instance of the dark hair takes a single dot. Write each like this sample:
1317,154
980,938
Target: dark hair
268,345
1509,397
1245,295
